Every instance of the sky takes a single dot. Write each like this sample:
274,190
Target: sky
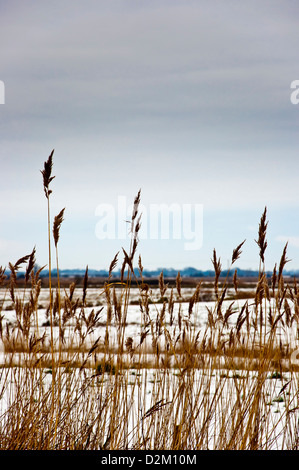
187,101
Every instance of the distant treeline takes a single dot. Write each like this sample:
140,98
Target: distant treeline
188,272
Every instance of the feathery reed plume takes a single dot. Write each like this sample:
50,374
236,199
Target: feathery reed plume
20,261
140,268
113,265
135,227
135,238
162,286
217,269
229,311
13,274
194,299
47,172
72,288
30,266
262,242
283,262
135,207
127,261
156,407
58,219
15,267
241,318
235,281
220,302
237,252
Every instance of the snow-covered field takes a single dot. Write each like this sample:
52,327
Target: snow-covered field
95,300
145,387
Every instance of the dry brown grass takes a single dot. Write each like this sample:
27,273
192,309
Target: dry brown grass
230,384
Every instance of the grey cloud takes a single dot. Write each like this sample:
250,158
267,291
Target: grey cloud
187,99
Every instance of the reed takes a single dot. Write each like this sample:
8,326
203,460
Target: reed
47,179
82,379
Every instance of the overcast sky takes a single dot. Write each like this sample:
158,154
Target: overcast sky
187,100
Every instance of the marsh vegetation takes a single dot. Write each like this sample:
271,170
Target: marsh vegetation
128,366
